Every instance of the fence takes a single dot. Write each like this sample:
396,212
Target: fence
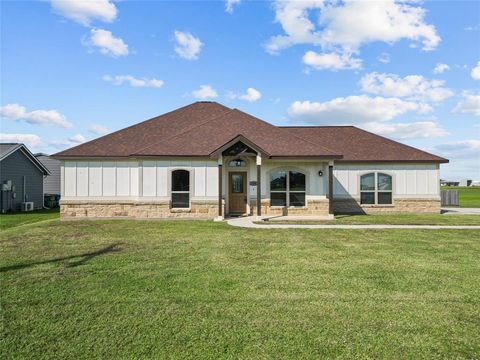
449,197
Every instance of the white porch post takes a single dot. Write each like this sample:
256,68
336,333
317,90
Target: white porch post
330,187
220,198
259,185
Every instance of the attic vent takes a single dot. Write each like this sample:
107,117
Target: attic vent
239,148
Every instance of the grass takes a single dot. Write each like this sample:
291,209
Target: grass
195,290
389,219
468,197
21,218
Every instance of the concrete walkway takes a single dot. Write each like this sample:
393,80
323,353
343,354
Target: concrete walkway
461,211
248,222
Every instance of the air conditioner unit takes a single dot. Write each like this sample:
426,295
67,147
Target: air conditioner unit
27,206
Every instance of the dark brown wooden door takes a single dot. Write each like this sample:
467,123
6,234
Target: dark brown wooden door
237,192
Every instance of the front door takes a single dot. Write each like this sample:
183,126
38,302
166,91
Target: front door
237,193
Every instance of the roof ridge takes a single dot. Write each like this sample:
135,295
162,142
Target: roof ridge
183,132
313,126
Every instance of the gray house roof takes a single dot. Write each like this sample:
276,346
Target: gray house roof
7,149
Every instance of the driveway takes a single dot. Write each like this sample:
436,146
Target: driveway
248,222
460,211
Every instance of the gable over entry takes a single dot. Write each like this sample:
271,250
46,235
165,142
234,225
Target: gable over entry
239,149
239,146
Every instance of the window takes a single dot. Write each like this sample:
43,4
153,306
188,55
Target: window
376,189
237,163
287,188
180,189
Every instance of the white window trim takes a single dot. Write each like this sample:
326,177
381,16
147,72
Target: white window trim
190,191
376,190
287,191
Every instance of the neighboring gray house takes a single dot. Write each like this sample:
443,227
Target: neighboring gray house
51,184
21,178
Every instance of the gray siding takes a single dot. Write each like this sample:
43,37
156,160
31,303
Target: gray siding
51,184
15,167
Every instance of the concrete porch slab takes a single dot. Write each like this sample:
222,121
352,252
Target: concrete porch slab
298,218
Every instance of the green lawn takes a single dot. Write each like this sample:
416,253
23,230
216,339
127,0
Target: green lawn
22,218
164,289
469,197
389,219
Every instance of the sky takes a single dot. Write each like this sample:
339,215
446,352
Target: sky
72,71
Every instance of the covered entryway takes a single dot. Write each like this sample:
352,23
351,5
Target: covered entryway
237,192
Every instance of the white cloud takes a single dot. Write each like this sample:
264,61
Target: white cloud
411,86
107,43
31,140
251,95
188,46
460,149
85,11
353,110
204,92
469,105
476,72
77,138
331,61
472,28
384,58
415,130
74,140
440,68
348,25
98,129
40,117
229,5
134,82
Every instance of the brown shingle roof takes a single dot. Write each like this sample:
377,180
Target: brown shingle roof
359,145
205,138
127,141
201,128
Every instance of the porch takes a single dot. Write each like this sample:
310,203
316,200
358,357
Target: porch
252,183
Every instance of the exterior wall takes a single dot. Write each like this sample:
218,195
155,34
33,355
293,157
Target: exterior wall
75,209
51,183
14,167
314,207
141,188
416,188
352,206
316,186
136,180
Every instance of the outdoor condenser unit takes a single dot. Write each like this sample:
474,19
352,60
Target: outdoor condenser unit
27,206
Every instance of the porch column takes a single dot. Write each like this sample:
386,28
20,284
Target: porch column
330,187
220,200
259,185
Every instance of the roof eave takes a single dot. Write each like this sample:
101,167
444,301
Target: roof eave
441,161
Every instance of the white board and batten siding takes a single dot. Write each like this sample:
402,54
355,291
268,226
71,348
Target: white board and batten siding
419,181
134,179
151,179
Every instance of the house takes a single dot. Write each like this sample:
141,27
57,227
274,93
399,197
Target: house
21,178
51,183
206,160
